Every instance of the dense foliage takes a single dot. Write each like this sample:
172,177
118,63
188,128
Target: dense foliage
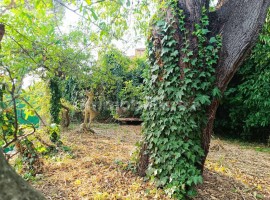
39,43
175,102
117,82
244,111
36,45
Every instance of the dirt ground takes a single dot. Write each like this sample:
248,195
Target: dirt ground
98,169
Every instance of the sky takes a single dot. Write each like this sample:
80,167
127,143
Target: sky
214,2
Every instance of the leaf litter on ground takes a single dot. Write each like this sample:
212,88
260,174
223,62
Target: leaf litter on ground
99,169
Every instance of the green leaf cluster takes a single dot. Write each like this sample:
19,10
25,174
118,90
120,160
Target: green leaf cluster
6,118
117,82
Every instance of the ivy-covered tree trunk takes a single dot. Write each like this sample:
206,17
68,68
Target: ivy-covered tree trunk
55,101
12,186
193,54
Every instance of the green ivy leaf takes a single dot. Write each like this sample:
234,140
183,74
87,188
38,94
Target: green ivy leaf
216,92
94,13
203,99
185,60
212,40
190,53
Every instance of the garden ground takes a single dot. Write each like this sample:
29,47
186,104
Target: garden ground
98,168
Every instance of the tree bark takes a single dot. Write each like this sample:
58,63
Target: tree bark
144,160
12,186
238,23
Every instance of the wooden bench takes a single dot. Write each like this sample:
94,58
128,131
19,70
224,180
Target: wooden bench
129,120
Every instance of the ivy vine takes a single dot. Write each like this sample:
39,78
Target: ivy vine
55,101
176,98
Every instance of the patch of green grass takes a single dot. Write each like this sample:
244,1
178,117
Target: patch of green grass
255,146
263,149
260,147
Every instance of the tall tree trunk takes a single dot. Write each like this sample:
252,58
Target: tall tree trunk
238,23
12,186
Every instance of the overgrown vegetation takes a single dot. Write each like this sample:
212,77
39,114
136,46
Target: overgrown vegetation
55,100
117,82
60,60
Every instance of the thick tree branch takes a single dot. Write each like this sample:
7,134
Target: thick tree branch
192,9
241,22
2,31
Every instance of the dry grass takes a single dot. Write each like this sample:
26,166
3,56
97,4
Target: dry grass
97,169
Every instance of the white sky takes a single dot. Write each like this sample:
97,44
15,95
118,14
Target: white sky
214,2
